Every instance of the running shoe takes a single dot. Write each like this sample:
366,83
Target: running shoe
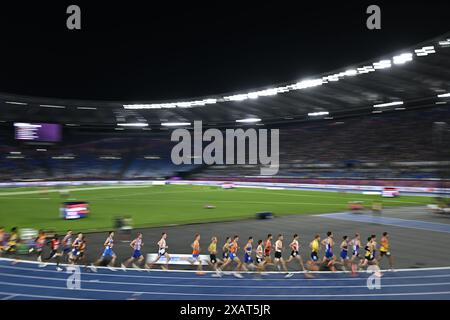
289,275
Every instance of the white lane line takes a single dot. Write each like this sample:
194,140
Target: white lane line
39,296
229,286
388,221
195,271
124,275
10,297
232,295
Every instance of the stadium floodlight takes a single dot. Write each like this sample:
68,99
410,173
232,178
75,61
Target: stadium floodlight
332,77
309,83
382,64
365,69
402,58
17,103
184,104
165,106
142,106
424,51
180,104
283,89
444,95
388,104
252,95
445,43
52,106
351,72
319,113
237,97
133,124
267,92
175,124
248,120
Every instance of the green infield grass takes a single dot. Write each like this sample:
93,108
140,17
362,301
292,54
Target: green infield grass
38,208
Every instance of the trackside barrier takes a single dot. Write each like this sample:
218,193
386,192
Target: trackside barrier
417,191
177,259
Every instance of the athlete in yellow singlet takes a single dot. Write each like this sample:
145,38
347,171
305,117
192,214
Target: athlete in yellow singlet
315,246
212,249
12,241
369,252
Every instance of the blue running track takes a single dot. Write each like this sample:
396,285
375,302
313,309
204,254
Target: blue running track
26,280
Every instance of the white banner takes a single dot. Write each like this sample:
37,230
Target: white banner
179,259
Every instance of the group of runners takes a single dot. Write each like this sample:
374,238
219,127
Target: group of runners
257,256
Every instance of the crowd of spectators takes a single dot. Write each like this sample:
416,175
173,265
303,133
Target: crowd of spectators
394,145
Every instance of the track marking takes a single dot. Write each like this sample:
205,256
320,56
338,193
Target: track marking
226,279
351,196
232,286
10,297
195,271
39,296
254,296
396,222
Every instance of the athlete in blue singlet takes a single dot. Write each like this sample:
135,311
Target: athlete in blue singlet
108,252
67,243
136,244
328,243
344,249
74,255
248,250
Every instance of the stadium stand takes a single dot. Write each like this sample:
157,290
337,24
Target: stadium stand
395,145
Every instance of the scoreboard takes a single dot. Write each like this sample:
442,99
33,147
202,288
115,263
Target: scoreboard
46,132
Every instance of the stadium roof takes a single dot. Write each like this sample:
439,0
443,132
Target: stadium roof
415,77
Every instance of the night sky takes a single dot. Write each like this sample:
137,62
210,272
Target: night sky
183,49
